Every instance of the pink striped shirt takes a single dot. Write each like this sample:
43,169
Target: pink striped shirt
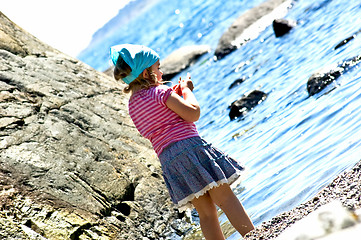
155,121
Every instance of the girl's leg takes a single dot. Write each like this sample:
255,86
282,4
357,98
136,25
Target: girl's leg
208,217
224,197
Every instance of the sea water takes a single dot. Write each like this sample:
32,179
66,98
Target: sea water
291,144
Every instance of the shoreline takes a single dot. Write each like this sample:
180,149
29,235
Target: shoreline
346,188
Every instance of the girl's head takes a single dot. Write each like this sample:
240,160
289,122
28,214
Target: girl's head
136,65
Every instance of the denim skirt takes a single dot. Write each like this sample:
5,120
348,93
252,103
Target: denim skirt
192,166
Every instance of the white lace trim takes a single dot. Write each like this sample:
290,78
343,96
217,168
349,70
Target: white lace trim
186,203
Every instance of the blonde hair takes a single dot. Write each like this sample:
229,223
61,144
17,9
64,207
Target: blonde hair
122,70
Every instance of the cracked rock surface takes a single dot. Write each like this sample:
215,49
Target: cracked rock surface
72,165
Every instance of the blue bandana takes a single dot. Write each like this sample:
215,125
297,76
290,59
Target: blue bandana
138,57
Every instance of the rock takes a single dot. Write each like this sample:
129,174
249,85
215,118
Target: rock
329,218
325,76
17,42
322,78
282,26
72,164
181,59
348,233
237,82
249,25
345,41
109,71
241,106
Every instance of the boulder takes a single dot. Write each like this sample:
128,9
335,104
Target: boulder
249,25
282,26
322,78
181,59
72,164
327,222
241,106
325,76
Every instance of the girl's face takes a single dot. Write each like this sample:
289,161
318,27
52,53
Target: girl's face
156,69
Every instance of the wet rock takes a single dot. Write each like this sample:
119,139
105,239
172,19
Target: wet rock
237,82
241,106
72,164
322,78
346,40
325,76
249,25
181,59
282,26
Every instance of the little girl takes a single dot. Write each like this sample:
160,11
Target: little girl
196,174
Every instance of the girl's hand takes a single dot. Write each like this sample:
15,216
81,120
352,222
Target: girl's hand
176,88
182,84
186,83
185,105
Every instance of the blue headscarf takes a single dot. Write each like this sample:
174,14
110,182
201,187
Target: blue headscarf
138,57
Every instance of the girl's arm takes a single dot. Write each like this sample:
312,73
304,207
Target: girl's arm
186,107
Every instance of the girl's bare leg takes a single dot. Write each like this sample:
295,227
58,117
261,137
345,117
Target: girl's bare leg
207,212
224,197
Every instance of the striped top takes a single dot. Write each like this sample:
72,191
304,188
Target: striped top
155,121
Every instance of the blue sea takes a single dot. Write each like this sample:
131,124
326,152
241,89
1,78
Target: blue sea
293,145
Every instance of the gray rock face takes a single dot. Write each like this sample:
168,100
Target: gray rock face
249,25
72,164
17,41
